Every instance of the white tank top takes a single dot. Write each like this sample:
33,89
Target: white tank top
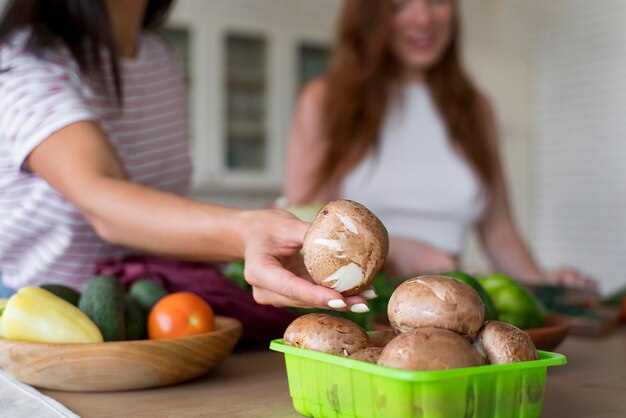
416,182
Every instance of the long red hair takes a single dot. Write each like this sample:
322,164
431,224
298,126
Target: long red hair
364,72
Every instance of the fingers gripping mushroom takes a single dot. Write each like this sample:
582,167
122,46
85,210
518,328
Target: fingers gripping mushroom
436,301
502,343
345,247
327,333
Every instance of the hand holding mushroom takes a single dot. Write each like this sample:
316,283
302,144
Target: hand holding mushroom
344,249
275,268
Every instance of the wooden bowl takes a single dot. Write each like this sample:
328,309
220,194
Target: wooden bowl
552,333
120,365
547,338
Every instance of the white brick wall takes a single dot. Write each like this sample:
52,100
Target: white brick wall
579,190
555,73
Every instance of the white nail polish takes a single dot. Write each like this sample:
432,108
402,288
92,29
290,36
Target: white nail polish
369,294
359,308
337,303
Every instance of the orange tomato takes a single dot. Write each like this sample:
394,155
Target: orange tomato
180,314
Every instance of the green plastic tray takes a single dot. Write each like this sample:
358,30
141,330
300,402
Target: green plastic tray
323,386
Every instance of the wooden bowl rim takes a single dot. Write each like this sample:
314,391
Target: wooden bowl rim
560,324
223,325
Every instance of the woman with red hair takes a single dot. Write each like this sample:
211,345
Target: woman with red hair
398,126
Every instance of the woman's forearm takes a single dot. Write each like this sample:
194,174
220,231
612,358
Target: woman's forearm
508,254
132,215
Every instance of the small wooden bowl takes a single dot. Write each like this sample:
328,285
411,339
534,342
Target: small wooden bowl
549,336
120,365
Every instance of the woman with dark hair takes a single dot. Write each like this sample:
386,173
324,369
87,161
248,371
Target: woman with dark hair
94,159
398,126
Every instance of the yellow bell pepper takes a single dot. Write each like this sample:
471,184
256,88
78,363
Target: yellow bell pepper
35,314
3,303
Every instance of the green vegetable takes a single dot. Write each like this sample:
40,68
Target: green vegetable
103,302
615,299
136,319
147,293
234,273
305,213
490,310
34,314
62,291
514,304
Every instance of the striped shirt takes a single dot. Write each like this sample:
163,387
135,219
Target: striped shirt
43,237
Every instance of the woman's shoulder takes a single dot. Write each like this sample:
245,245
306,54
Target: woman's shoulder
484,103
486,112
20,67
312,95
15,42
15,49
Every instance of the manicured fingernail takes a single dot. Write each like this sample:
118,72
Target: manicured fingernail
369,294
359,308
337,303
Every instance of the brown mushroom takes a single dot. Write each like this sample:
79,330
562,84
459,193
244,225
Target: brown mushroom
430,348
369,355
436,301
381,338
501,343
327,333
345,247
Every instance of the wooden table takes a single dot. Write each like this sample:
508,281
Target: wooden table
593,384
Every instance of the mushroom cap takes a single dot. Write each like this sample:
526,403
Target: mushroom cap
369,355
502,343
345,247
327,333
381,338
430,348
436,301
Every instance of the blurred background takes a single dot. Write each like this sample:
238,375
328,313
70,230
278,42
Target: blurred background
554,72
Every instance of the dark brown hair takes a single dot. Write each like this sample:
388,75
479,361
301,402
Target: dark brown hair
80,25
363,74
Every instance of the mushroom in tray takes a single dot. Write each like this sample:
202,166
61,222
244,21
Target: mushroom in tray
368,355
502,343
382,337
327,333
430,348
436,301
345,247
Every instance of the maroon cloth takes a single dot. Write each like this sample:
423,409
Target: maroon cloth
261,323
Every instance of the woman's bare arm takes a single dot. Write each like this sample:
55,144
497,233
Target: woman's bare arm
500,238
79,162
